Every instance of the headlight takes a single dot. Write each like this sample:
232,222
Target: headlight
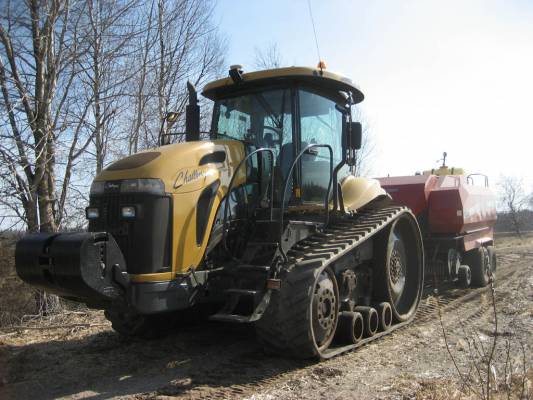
128,212
151,186
97,187
92,213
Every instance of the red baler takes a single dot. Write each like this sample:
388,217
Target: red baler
457,217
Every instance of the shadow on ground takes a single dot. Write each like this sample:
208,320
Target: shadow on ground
202,361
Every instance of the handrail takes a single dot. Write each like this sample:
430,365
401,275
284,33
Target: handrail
288,178
230,187
183,134
469,178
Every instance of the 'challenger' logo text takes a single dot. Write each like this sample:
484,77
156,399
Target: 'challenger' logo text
187,176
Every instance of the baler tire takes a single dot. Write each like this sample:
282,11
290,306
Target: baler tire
493,260
464,276
477,260
289,324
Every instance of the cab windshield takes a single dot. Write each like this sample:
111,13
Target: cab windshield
260,119
265,119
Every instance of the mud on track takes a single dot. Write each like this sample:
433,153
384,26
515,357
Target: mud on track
214,360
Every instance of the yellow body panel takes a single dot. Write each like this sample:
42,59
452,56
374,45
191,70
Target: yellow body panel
157,277
178,168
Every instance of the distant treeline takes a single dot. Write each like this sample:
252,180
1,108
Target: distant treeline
505,222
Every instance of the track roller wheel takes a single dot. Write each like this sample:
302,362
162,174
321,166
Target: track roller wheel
399,267
370,320
302,316
479,262
350,328
385,316
464,276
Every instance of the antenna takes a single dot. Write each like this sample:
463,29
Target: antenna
443,159
314,31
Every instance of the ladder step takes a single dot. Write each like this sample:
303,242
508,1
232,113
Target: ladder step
273,244
230,318
242,292
253,268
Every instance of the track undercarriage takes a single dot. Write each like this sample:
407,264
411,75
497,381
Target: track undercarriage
356,281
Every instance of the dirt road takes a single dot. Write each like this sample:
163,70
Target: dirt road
216,361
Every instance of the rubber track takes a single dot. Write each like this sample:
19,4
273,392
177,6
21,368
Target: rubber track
284,328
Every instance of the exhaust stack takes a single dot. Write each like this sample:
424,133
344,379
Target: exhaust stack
192,115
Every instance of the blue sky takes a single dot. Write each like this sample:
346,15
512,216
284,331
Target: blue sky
454,76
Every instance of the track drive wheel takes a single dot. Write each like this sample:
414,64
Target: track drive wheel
399,267
464,276
302,316
480,265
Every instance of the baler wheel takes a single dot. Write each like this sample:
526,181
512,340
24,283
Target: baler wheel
464,276
479,262
493,261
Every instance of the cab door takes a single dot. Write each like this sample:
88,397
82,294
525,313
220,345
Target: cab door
320,122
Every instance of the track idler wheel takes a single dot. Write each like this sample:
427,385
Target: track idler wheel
370,320
399,267
350,327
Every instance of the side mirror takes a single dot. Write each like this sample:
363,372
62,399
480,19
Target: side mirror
355,135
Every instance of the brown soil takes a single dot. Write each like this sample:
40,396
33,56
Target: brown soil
77,355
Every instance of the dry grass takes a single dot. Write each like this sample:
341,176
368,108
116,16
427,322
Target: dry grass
512,240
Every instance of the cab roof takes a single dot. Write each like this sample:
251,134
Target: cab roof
321,79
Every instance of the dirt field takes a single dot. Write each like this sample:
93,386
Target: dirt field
55,358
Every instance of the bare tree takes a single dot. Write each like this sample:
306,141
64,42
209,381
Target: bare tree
188,47
39,40
513,199
140,92
110,26
83,82
269,57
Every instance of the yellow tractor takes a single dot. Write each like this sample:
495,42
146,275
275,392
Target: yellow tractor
264,221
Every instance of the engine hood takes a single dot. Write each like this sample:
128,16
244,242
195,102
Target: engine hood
183,167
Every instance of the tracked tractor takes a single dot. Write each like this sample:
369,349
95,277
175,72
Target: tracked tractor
263,220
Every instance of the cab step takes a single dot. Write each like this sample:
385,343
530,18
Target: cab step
229,313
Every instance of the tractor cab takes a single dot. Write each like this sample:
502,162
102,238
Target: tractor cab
300,121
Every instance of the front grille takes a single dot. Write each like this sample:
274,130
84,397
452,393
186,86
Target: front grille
145,240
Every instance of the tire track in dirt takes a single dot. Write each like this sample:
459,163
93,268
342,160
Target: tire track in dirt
450,301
